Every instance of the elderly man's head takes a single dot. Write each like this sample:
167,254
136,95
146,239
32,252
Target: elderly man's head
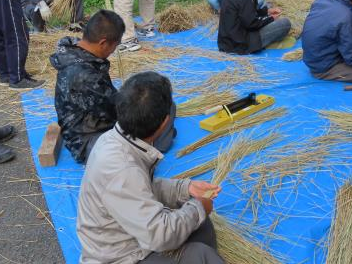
143,105
103,33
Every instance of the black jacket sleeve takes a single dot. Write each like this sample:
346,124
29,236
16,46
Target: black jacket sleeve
251,19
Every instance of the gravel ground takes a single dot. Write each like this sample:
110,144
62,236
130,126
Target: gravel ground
26,235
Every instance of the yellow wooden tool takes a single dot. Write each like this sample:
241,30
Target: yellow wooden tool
235,111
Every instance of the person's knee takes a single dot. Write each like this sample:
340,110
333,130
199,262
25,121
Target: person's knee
286,24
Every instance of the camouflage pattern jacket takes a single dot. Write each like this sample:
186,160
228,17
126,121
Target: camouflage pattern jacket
83,96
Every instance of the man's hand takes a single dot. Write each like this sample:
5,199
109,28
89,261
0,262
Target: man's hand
274,12
198,189
44,10
207,204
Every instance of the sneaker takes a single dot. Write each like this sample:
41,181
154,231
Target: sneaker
147,33
4,81
131,45
26,84
6,154
6,133
76,27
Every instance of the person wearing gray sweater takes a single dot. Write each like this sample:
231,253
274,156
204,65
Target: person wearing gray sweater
125,214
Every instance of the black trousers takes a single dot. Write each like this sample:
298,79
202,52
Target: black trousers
14,39
200,248
78,13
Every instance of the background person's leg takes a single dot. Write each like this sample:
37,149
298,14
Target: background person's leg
164,142
124,9
78,13
275,31
147,12
16,39
340,72
199,253
4,73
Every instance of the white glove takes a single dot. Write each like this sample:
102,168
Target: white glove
44,10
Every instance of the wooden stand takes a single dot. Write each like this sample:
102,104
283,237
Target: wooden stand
51,145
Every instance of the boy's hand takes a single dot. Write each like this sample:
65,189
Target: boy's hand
198,189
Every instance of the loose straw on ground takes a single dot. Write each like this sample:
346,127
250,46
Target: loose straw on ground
236,127
240,148
197,105
296,11
341,120
341,231
295,55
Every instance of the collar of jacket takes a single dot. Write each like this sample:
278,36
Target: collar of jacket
150,154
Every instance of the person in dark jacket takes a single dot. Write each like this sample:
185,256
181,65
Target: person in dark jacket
84,89
84,93
327,40
246,28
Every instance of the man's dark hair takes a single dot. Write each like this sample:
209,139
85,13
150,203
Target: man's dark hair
104,24
143,103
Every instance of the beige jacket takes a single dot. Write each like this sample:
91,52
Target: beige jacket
123,213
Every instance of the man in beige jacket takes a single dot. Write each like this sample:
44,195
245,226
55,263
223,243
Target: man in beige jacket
127,216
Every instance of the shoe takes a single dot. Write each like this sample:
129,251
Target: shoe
6,154
147,33
131,45
4,81
75,27
26,84
6,133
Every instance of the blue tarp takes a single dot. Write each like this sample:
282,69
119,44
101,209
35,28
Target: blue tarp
305,213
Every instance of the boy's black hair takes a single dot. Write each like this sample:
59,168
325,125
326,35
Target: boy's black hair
104,24
143,103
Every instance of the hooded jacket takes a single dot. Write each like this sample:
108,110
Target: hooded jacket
84,96
124,213
327,35
240,22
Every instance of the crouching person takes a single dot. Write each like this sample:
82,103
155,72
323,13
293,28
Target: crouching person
327,46
246,26
125,215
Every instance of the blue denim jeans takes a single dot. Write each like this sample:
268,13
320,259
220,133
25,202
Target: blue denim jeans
275,31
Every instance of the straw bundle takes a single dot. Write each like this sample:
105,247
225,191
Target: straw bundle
341,231
197,105
177,17
236,127
295,55
240,148
235,248
63,8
